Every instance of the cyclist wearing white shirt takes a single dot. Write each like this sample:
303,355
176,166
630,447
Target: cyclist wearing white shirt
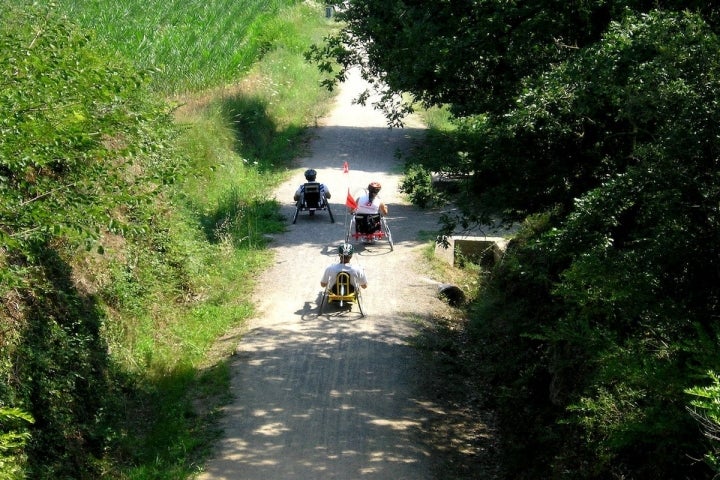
357,274
370,204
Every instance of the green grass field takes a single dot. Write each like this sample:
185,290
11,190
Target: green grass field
190,45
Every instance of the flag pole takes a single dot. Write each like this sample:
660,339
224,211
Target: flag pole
349,202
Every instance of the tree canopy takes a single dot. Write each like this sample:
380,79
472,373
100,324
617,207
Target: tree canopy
596,124
474,55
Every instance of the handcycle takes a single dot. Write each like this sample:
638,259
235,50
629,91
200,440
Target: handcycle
369,228
342,293
312,199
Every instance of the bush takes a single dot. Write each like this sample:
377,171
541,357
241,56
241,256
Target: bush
417,184
13,424
596,326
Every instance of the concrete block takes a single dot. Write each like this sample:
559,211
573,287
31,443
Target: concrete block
483,250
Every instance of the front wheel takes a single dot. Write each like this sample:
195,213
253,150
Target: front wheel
386,229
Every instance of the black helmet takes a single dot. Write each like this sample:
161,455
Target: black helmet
310,175
346,250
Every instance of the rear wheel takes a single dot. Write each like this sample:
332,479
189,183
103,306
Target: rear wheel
322,303
359,304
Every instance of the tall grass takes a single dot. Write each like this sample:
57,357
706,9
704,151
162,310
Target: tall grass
189,44
240,139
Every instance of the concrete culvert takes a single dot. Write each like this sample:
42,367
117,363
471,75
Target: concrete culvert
452,294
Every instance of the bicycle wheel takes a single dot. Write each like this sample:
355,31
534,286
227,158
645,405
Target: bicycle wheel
386,230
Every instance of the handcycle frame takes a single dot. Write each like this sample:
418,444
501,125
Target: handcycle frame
312,199
343,294
383,233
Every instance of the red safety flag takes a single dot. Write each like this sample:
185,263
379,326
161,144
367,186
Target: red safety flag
346,168
350,201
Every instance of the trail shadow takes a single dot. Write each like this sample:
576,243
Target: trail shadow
236,219
308,310
61,367
259,140
408,225
366,149
321,402
380,247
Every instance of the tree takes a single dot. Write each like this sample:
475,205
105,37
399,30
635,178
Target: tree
627,271
471,55
487,61
596,123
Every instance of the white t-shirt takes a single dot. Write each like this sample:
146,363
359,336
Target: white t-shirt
357,274
366,207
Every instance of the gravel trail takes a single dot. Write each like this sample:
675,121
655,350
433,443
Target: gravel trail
336,396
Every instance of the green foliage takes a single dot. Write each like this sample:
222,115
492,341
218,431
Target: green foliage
472,56
61,374
417,184
13,437
705,407
83,148
188,45
77,127
627,267
597,124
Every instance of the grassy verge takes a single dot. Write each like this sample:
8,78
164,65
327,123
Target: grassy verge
178,277
462,438
240,139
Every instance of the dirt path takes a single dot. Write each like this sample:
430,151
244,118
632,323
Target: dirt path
336,396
